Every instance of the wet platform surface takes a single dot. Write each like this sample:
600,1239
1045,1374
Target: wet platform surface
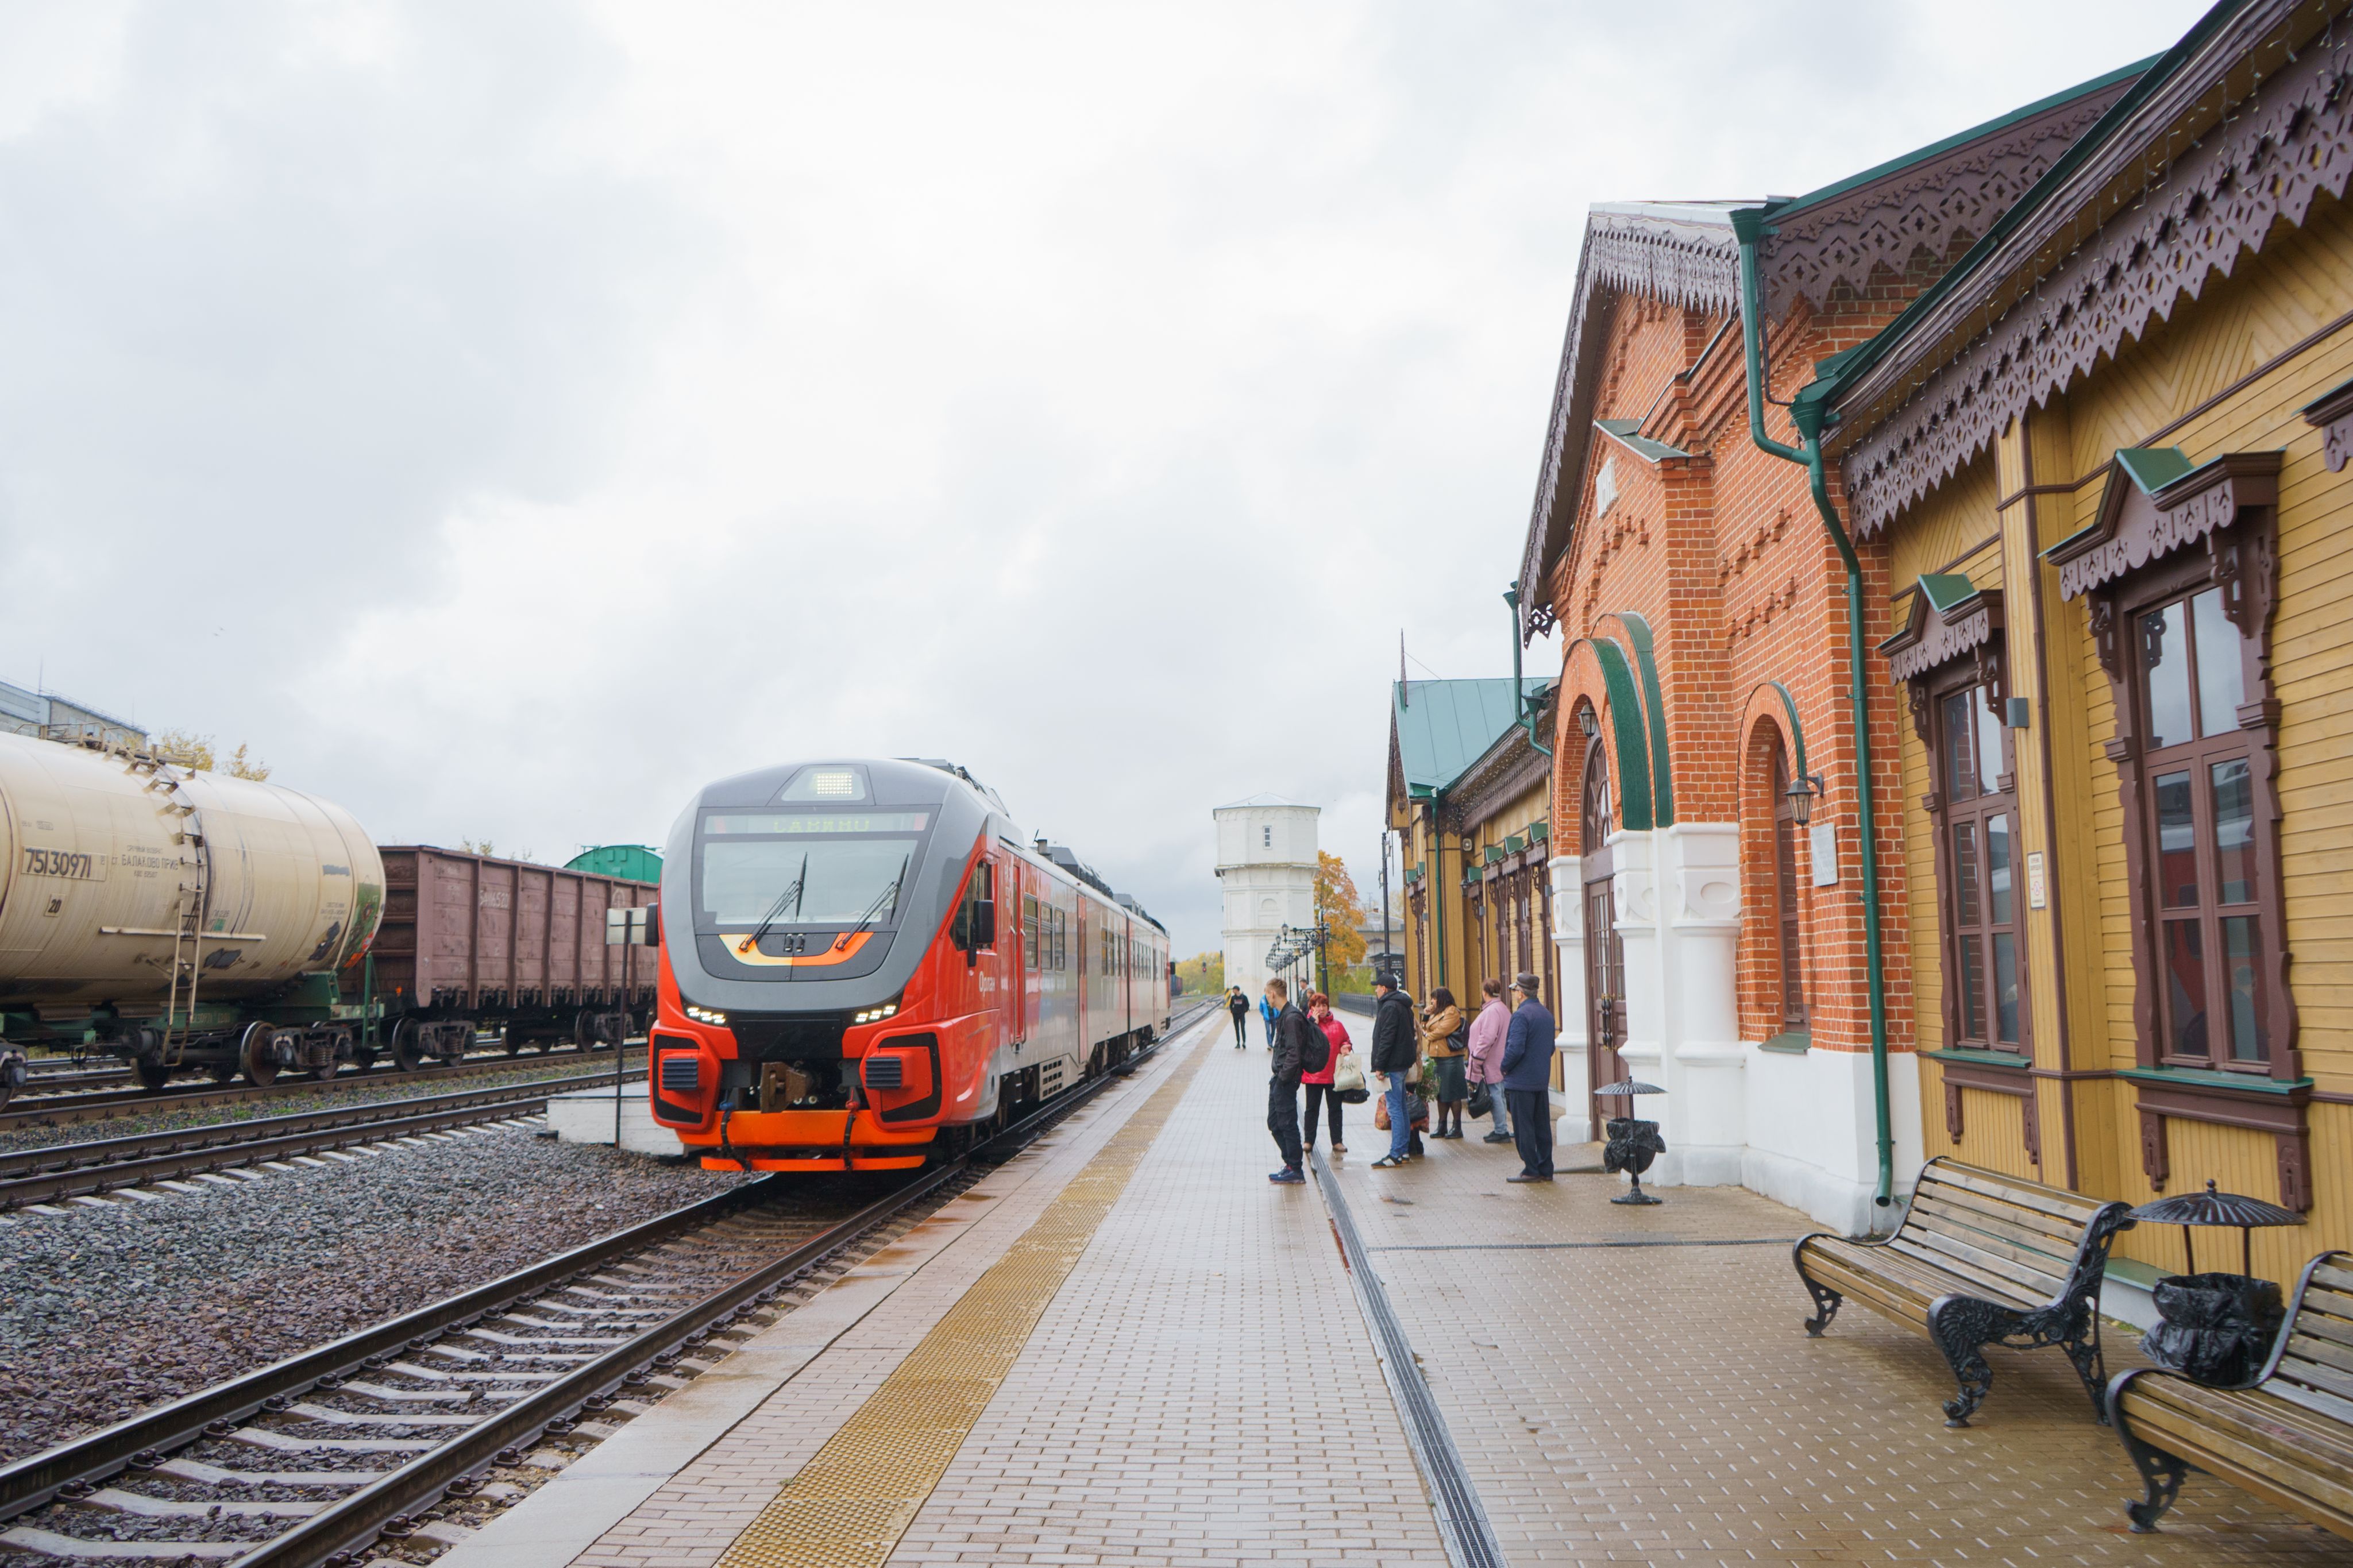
1125,1347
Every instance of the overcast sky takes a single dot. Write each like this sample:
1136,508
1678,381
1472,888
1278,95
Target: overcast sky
507,418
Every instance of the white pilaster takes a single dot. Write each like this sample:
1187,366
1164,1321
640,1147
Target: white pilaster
1569,1009
1699,881
1634,913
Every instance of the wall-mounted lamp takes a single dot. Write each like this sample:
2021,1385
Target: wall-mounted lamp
1587,722
1801,795
2019,712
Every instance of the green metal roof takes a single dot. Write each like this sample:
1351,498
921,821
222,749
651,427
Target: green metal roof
1441,727
630,862
1961,138
1945,589
2153,468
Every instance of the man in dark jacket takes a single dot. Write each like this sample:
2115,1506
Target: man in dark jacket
1239,1005
1527,1080
1299,1046
1396,1051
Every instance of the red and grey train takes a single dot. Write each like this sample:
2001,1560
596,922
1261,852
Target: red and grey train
864,965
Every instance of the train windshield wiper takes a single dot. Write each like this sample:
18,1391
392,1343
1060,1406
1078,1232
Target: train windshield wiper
887,899
790,897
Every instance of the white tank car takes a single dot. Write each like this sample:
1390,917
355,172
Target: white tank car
104,855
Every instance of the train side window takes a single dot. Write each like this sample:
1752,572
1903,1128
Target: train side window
1029,932
1061,939
975,928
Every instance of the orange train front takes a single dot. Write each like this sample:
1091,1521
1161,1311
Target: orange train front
865,963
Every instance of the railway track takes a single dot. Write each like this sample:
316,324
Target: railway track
377,1429
46,1110
64,1170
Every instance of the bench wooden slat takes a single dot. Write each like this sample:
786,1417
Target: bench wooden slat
2334,1280
2011,1189
2210,1455
1950,1210
2315,1374
2305,1346
2321,1326
2283,1462
1987,1274
2319,1401
1875,1291
1929,1278
2060,1234
2256,1408
1974,1250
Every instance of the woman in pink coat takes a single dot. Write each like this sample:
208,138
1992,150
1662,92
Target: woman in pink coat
1319,1083
1487,1056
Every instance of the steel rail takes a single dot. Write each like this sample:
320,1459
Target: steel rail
78,1170
334,1535
106,1106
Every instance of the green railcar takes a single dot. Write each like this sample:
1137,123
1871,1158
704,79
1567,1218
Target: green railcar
630,862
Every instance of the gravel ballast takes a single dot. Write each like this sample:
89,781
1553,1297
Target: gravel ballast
106,1309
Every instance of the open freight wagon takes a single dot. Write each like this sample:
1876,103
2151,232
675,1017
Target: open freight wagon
469,942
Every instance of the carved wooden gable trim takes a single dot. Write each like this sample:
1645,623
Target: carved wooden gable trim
2290,141
1952,619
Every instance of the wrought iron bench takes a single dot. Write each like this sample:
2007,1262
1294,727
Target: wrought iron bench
2287,1437
1981,1259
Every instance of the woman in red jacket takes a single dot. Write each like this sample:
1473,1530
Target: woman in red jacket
1319,1083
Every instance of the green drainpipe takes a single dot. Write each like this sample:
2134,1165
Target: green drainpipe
1527,720
1749,225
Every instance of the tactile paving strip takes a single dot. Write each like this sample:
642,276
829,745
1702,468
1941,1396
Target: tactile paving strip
848,1506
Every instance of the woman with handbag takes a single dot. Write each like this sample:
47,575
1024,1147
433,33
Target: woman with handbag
1487,1061
1321,1085
1447,1046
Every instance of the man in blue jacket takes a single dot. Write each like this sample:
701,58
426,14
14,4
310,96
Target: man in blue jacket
1527,1080
1267,1012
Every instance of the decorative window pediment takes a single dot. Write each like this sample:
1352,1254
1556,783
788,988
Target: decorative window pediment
1952,620
2333,413
2156,502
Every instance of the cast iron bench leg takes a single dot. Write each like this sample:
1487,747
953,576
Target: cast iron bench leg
1961,1326
1826,1305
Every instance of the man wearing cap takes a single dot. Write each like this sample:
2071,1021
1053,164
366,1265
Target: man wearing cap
1527,1078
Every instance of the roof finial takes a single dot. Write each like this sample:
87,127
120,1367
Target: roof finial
1405,692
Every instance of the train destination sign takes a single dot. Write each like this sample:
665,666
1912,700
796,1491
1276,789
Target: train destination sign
806,821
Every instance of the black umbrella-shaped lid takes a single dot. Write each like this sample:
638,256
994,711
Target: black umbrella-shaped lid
1630,1086
2210,1207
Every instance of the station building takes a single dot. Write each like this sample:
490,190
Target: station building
2079,377
1709,944
2104,461
1469,798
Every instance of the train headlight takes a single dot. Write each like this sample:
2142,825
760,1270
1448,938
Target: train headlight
706,1016
875,1015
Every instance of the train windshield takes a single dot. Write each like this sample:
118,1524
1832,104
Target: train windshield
802,869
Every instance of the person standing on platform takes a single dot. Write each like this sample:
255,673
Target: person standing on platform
1318,1080
1443,1043
1396,1051
1527,1080
1267,1012
1239,1005
1487,1057
1299,1047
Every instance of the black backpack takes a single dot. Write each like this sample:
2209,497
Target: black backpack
1317,1050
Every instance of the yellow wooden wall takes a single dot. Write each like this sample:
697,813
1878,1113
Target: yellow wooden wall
2300,285
1953,530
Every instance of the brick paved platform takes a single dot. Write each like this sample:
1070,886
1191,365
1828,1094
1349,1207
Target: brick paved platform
1623,1386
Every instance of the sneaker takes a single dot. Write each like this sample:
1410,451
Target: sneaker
1498,1138
1286,1177
1339,1148
1388,1162
1523,1176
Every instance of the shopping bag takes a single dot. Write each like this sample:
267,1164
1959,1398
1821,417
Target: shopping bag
1381,1114
1482,1101
1347,1075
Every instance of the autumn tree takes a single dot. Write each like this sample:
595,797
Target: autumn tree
1341,909
197,751
1203,974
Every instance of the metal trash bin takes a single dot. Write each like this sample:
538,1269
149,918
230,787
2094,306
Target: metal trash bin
2215,1329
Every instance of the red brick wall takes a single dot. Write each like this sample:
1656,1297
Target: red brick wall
1723,552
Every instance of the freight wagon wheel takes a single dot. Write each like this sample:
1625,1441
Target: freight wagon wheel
153,1074
408,1045
511,1040
256,1055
